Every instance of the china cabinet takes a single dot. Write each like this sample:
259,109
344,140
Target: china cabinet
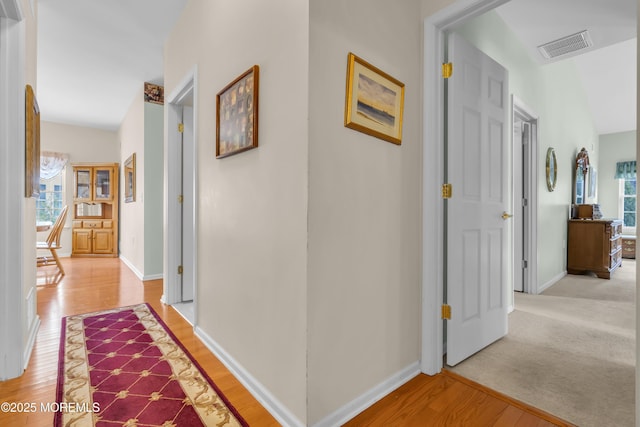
95,210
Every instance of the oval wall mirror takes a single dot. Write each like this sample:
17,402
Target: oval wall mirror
552,169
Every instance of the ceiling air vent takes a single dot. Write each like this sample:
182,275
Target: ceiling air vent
566,45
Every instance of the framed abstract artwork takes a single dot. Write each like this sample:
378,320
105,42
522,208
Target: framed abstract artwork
237,115
374,101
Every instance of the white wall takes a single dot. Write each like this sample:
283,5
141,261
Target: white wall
252,218
554,92
83,145
141,132
364,208
131,138
614,147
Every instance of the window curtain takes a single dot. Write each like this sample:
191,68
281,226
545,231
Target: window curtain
626,170
51,164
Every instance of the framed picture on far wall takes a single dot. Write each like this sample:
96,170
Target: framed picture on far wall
374,101
237,115
130,179
32,144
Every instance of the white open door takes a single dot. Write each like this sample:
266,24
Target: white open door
188,214
477,220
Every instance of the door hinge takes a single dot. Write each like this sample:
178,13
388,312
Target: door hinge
524,263
524,203
179,269
180,198
180,127
446,311
447,190
447,70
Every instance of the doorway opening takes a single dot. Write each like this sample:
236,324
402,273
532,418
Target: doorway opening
181,204
525,197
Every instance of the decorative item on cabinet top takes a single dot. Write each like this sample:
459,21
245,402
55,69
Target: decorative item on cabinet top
153,93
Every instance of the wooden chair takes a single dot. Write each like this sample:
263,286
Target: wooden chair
53,242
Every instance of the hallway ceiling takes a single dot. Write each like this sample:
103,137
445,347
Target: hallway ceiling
94,56
607,69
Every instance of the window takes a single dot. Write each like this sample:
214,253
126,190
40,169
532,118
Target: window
51,200
628,203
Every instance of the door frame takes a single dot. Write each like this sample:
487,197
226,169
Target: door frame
172,180
16,347
432,334
527,114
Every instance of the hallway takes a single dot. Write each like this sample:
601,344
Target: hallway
96,284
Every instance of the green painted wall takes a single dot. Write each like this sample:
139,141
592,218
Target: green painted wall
153,180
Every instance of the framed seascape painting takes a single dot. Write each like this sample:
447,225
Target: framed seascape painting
237,115
374,101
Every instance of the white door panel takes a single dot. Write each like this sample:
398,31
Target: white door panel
477,238
188,214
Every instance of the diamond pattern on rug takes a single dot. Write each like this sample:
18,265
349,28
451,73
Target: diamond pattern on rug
124,367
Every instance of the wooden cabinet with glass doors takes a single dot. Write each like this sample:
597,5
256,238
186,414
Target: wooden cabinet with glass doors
95,210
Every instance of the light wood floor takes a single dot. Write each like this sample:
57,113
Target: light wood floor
98,284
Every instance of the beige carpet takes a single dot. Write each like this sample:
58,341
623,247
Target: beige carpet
570,351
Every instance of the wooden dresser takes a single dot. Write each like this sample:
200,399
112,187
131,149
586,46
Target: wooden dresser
594,245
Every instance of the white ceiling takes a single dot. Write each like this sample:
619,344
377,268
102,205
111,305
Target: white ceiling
95,55
607,69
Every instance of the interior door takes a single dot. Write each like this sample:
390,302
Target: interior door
518,207
188,214
477,233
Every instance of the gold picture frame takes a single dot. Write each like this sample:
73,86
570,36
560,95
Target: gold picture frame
374,101
237,115
32,144
130,179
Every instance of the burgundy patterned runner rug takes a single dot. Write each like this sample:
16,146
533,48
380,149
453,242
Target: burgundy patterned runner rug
124,367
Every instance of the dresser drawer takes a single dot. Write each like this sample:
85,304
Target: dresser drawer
615,259
107,224
615,244
76,224
92,224
616,229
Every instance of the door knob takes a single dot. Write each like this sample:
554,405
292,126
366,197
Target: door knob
506,216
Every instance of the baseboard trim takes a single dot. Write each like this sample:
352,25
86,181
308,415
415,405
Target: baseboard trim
132,267
31,341
551,282
279,411
137,272
362,402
